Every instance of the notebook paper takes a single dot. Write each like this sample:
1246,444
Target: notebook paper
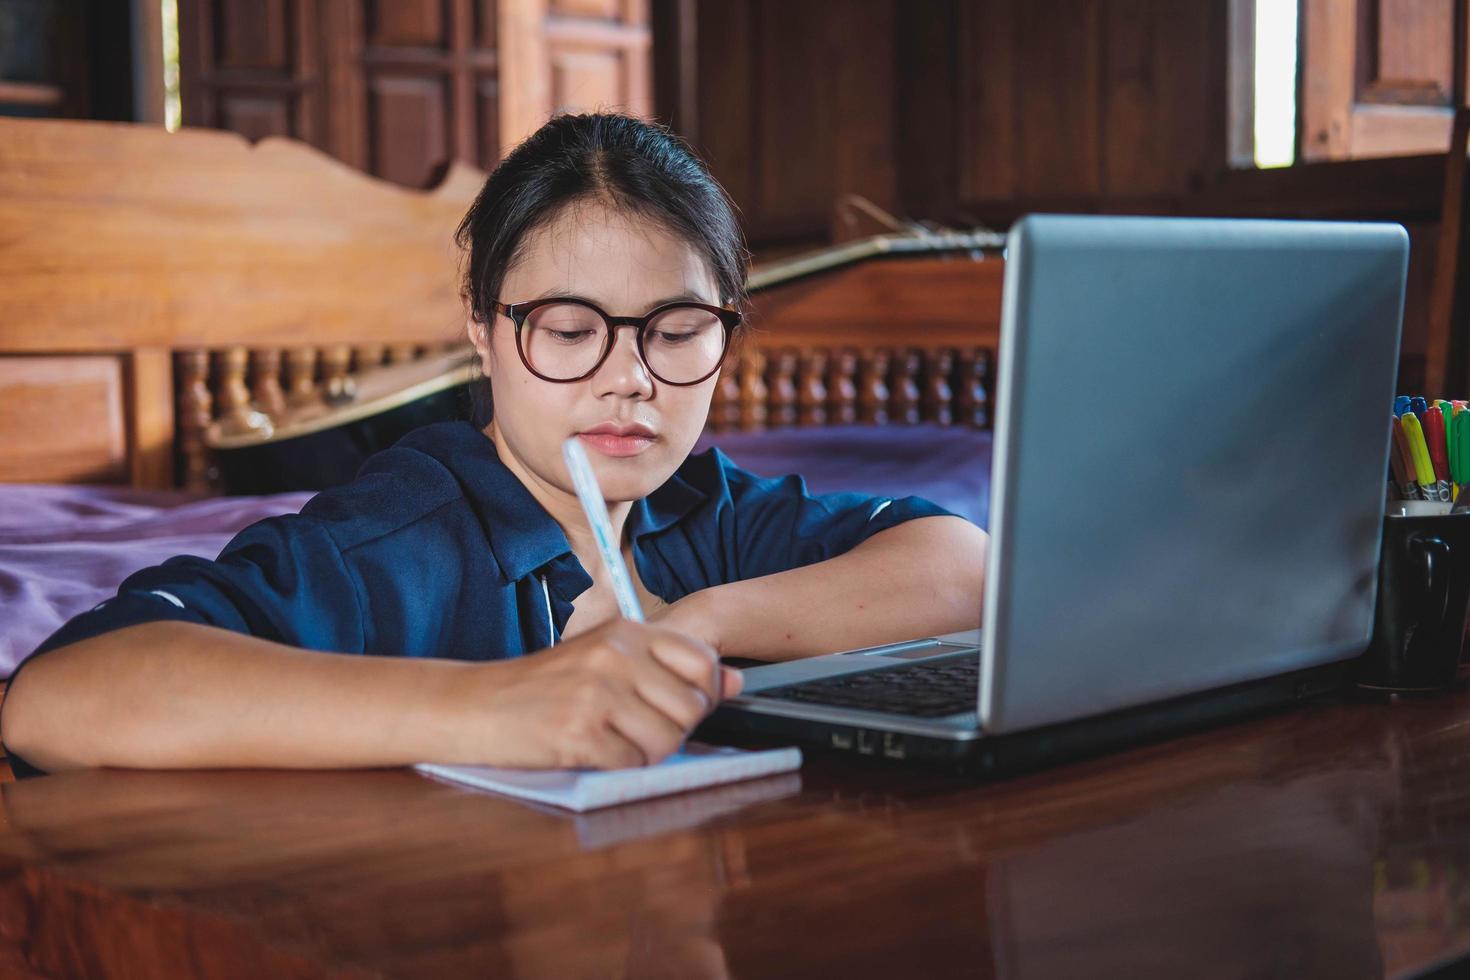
693,766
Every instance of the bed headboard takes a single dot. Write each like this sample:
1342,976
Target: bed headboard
154,283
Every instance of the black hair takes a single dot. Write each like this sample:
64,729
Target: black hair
637,167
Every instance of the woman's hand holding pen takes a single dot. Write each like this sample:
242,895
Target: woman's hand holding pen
623,694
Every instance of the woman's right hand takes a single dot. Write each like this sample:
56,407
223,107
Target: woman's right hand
623,694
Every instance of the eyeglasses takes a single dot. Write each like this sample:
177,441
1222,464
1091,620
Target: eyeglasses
566,340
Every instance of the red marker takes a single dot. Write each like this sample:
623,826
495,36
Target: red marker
1434,434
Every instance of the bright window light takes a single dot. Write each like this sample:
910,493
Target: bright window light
172,109
1275,82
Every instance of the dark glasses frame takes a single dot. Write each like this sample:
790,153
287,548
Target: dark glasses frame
518,312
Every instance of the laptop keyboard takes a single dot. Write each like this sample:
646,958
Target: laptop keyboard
927,688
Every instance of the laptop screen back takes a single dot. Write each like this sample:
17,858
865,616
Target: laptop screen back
1191,456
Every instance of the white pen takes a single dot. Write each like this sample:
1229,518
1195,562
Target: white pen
596,509
590,494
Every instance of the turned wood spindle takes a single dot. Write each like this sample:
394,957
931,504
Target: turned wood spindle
265,382
842,406
231,393
904,391
752,390
811,391
725,406
873,387
781,388
196,411
337,384
365,357
938,394
972,396
301,387
985,377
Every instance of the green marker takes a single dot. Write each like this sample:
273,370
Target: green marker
1452,449
1460,465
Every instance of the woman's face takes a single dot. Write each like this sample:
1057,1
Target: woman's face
627,266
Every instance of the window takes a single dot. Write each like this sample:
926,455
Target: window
1274,89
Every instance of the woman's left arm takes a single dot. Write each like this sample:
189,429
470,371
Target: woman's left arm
919,578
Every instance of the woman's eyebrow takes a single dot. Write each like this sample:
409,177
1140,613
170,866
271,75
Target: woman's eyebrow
681,298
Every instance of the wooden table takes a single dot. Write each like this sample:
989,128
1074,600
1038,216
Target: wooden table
1332,840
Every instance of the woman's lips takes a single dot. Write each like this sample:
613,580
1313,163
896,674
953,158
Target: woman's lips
610,444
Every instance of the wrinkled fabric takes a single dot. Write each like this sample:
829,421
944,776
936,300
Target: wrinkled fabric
63,549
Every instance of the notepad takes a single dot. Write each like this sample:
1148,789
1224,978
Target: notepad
579,790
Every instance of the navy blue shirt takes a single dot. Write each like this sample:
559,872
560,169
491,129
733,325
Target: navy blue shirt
437,550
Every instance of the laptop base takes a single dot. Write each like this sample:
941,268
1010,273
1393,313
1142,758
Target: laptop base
1001,755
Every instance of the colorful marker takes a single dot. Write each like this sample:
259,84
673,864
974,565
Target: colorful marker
1432,488
1436,439
1404,464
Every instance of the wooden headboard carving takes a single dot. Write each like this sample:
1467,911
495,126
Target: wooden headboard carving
192,279
122,244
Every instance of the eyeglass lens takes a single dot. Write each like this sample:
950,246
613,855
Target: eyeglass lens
564,341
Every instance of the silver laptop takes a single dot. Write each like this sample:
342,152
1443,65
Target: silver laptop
1190,462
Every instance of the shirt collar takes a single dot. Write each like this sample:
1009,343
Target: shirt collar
523,537
665,507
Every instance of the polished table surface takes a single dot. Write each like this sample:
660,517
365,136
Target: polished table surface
1329,840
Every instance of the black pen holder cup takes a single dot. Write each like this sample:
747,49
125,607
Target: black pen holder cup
1423,600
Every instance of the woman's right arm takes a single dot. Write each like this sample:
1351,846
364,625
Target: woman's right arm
173,695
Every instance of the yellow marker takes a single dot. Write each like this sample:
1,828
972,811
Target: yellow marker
1419,449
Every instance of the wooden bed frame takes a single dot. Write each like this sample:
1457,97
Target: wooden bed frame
152,284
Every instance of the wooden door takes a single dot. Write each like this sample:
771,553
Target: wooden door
572,56
1380,77
399,88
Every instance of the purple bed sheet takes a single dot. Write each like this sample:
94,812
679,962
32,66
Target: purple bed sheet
63,549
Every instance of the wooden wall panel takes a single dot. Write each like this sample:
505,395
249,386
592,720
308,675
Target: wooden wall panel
987,65
1163,114
723,122
795,108
955,110
252,34
927,82
795,122
407,135
393,22
1134,124
865,158
1057,99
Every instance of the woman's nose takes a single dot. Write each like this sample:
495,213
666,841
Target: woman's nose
624,373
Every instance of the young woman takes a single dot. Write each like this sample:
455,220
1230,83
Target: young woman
604,282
